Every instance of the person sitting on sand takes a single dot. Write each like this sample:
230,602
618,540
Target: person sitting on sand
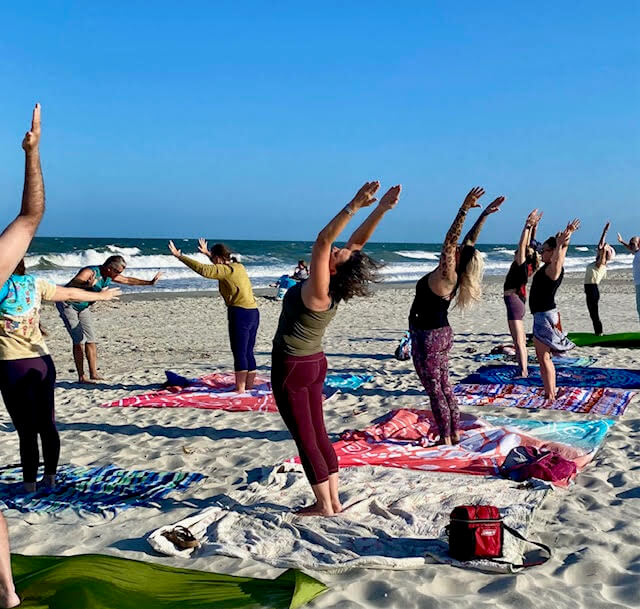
299,365
243,316
27,373
525,263
548,338
459,274
301,272
77,316
14,242
634,247
595,272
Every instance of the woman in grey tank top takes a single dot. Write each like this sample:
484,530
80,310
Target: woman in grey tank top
299,365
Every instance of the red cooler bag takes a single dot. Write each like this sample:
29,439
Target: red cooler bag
477,531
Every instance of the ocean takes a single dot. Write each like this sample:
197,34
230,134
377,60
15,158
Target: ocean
59,258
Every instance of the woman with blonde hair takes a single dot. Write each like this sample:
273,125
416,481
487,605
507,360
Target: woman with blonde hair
459,274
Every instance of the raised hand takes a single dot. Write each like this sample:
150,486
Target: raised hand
494,206
366,195
471,200
533,218
32,137
574,225
110,293
203,247
620,239
174,250
155,278
390,198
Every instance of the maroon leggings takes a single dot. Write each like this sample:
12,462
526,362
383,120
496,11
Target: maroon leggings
297,383
27,387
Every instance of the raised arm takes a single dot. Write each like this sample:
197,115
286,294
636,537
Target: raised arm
472,236
80,295
315,291
15,239
135,281
208,271
363,233
554,268
625,243
525,237
447,266
602,252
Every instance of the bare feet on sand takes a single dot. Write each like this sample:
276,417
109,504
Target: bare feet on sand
315,510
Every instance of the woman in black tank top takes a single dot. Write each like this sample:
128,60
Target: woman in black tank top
515,288
298,364
547,335
459,273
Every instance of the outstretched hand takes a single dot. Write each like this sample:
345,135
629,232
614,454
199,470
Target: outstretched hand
203,247
32,137
110,293
366,195
390,198
174,250
574,225
494,206
471,200
155,278
620,239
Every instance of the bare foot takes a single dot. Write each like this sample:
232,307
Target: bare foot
455,438
337,507
444,441
314,510
29,487
85,380
49,481
9,599
97,377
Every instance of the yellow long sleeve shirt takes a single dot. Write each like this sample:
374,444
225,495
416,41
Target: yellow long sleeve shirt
235,285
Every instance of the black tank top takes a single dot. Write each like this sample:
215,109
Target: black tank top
543,291
517,278
428,311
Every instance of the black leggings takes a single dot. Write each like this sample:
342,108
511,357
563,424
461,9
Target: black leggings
593,296
297,383
27,387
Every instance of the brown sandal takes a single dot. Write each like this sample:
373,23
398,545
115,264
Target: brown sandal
182,538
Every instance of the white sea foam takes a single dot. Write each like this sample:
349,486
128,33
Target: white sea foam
418,254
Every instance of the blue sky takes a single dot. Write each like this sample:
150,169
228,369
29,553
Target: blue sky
260,119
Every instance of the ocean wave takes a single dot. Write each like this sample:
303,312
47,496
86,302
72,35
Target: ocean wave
581,248
419,254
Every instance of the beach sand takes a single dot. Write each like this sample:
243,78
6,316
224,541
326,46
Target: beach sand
592,527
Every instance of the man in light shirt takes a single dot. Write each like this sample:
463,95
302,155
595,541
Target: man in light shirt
634,247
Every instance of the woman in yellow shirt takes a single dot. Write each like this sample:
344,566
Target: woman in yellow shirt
242,310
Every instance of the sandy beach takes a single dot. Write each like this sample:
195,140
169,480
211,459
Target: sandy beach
592,526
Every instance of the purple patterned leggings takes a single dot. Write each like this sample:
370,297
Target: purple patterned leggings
430,351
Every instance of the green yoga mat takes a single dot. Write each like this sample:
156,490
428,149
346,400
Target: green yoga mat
94,581
625,340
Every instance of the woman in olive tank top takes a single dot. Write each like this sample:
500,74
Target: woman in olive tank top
547,335
299,365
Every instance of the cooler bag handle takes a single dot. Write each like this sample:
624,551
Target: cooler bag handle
525,565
